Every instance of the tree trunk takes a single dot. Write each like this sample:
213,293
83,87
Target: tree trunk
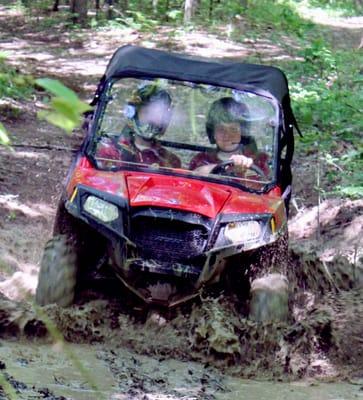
55,5
109,9
189,10
80,9
211,4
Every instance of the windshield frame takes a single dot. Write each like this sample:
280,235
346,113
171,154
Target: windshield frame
221,179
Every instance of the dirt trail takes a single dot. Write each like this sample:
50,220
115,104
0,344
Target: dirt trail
203,352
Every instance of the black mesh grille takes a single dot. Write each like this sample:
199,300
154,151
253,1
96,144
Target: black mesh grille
167,240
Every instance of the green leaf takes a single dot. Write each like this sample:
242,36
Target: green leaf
65,108
57,88
174,14
3,55
58,120
4,138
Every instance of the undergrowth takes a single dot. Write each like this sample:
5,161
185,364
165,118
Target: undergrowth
327,97
326,86
12,83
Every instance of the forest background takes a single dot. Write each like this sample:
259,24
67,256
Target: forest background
325,73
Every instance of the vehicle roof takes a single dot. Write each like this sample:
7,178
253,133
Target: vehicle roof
134,61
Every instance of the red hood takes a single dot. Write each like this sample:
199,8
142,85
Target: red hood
200,197
182,194
192,195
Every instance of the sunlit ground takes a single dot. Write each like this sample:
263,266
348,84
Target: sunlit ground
335,18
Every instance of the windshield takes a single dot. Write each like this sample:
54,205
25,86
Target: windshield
188,128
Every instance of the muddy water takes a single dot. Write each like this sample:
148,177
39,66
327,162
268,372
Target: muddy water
86,372
70,371
200,354
301,390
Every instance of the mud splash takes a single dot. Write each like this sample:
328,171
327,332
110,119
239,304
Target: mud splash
209,342
326,323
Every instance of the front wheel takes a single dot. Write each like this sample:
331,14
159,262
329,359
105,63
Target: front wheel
270,289
270,298
58,273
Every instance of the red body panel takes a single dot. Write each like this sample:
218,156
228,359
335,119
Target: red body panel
105,181
202,197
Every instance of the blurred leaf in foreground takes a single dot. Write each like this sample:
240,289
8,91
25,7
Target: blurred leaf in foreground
4,138
65,109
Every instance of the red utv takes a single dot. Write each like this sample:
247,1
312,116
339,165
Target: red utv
154,195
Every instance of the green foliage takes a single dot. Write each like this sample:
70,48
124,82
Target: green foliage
36,5
136,20
280,15
319,57
141,21
174,15
12,83
65,109
350,7
327,96
351,182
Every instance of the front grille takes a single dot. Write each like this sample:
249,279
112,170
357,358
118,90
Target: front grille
167,240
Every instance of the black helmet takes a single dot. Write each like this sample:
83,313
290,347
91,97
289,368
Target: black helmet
226,110
146,95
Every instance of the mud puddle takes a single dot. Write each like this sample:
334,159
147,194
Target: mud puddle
203,355
55,371
87,372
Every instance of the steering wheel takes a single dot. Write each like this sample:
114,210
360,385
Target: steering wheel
221,167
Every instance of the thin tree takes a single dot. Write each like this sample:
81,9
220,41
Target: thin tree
190,7
79,9
56,5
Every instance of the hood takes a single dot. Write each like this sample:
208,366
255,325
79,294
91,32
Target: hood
171,192
201,197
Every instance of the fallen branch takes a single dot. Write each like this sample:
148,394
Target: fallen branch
44,147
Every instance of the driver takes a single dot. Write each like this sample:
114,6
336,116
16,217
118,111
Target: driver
226,127
148,115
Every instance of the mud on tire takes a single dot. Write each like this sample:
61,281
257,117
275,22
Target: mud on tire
58,273
269,283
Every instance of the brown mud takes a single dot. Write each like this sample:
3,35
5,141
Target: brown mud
100,348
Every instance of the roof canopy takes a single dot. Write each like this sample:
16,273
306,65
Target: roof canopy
141,62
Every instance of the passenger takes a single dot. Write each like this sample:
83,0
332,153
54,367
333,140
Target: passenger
148,116
227,127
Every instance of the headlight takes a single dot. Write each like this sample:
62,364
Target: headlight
244,231
100,209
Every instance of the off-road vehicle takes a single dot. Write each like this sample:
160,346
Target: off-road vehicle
141,200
